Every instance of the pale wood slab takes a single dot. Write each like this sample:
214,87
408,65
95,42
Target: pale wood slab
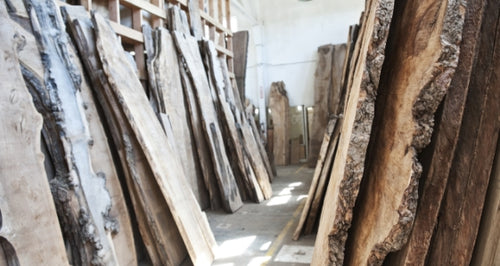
240,49
278,103
195,19
189,50
29,228
349,160
169,85
189,219
415,80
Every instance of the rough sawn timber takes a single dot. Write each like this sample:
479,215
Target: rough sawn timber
415,251
190,221
189,51
460,213
28,217
415,79
348,167
278,103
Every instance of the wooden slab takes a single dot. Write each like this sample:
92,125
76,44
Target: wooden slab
314,182
487,248
278,103
444,145
189,51
195,19
63,82
28,236
201,144
240,49
411,89
324,178
178,20
348,164
463,202
322,81
168,80
190,221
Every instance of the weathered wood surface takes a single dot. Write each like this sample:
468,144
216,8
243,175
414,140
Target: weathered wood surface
189,51
446,137
348,164
278,103
327,91
63,81
156,225
178,20
195,19
190,221
201,143
168,80
415,79
314,182
462,205
240,49
487,248
27,213
254,178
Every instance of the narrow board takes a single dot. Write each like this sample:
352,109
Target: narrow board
348,166
314,182
322,81
240,49
190,221
324,178
189,51
29,228
278,103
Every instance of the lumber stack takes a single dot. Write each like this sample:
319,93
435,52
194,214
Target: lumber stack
128,169
414,174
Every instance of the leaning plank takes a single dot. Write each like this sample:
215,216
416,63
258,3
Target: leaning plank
234,100
207,166
446,137
167,171
63,82
411,88
178,20
278,103
324,178
81,29
169,85
335,89
29,229
225,92
462,205
195,19
188,48
487,248
314,183
240,49
348,164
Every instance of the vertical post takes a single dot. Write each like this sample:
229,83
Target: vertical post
138,47
229,38
114,10
87,4
211,13
158,22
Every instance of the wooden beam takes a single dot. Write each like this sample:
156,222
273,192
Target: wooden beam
146,6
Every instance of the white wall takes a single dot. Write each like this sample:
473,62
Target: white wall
290,33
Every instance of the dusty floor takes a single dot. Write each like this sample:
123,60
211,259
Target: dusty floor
261,234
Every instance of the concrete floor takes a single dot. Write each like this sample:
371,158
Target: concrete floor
261,234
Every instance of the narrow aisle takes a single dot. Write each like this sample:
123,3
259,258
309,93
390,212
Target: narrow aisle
261,234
